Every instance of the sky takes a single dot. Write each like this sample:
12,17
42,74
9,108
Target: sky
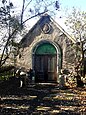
65,5
81,4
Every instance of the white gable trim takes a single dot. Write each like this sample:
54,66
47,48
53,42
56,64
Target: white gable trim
62,30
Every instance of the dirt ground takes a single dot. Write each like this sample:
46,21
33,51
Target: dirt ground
42,99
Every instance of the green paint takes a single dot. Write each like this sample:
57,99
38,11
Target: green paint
46,49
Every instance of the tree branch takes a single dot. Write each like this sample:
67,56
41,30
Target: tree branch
22,12
35,16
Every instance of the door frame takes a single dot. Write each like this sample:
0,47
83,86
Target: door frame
59,54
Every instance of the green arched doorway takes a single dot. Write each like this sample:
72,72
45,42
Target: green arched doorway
45,62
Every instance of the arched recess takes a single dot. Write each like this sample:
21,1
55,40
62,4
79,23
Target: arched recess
46,61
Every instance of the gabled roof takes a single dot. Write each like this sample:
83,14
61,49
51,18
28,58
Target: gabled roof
47,18
63,30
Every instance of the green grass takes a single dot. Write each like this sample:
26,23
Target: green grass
6,75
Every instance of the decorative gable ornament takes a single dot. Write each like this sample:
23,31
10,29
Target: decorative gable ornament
46,28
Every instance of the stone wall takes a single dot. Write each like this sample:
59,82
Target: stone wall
36,35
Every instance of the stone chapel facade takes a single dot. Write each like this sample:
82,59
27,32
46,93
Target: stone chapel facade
46,49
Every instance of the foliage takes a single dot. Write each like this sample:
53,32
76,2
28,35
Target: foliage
76,21
8,24
6,72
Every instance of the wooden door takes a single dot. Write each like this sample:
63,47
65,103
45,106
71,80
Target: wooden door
45,67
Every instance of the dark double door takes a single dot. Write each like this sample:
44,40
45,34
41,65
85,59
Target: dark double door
45,67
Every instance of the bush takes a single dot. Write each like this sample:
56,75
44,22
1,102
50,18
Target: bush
6,72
